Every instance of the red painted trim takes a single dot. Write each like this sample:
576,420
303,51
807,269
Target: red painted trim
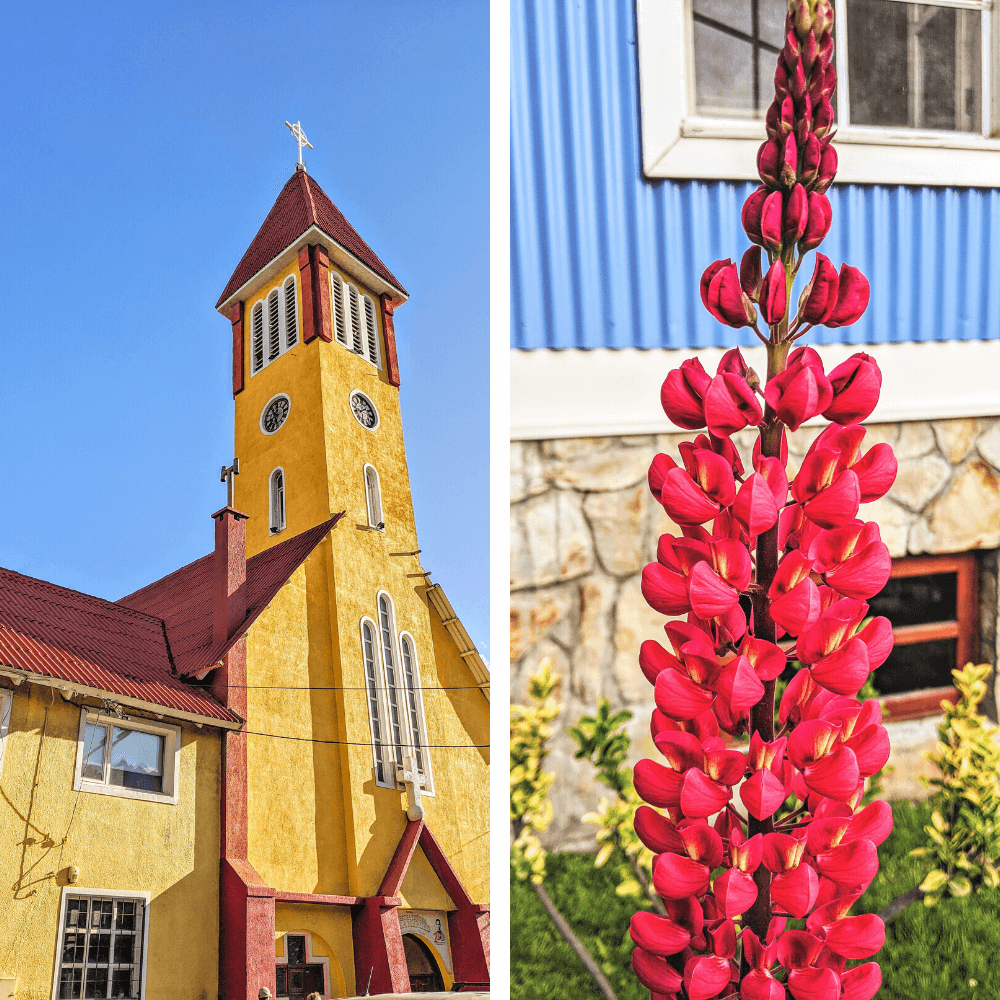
470,945
246,932
396,871
389,337
320,260
309,330
311,897
442,868
236,318
378,949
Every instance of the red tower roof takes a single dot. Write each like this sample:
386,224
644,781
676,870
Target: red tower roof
301,205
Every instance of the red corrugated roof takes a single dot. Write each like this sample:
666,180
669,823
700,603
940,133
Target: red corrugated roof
59,633
183,599
301,204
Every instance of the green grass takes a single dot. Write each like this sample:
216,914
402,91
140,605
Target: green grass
929,954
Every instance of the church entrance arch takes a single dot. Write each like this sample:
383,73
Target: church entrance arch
425,976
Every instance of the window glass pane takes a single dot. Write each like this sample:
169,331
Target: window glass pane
96,983
917,600
296,950
100,915
734,55
73,942
914,65
137,760
70,984
124,984
917,665
94,741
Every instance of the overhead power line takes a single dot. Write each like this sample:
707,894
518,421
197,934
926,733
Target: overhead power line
348,743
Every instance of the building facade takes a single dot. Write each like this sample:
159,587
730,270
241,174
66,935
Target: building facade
281,750
634,131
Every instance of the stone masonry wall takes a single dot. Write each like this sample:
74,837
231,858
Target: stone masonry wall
583,524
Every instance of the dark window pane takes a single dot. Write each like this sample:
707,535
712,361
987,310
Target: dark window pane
125,917
73,944
914,65
281,974
99,948
124,948
96,983
70,983
916,666
100,914
296,950
94,740
917,600
123,986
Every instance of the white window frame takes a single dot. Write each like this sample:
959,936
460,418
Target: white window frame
277,518
311,959
262,300
6,701
345,332
72,890
417,693
171,758
370,314
397,689
386,757
678,143
373,497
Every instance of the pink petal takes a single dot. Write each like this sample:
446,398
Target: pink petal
762,793
795,891
814,984
735,892
798,949
852,864
708,595
755,507
761,986
864,574
845,670
682,750
836,504
877,636
871,748
873,823
679,697
705,976
835,776
876,472
700,796
740,685
657,934
701,842
856,937
676,876
657,832
685,501
798,608
655,973
656,784
664,591
861,982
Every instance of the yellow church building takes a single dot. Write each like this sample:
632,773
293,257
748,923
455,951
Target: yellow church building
270,767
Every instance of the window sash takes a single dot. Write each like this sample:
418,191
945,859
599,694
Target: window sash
277,501
396,721
374,701
373,497
411,677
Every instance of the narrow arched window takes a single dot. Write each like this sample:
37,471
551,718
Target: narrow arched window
354,308
397,726
415,705
339,317
371,331
273,326
257,337
291,318
277,492
373,496
374,714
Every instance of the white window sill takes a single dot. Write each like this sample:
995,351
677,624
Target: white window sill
123,793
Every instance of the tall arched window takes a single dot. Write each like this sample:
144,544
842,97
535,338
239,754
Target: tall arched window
277,495
415,706
257,337
371,332
291,320
373,497
339,316
374,701
397,725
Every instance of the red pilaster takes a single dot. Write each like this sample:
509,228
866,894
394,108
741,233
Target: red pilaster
309,330
229,606
236,318
246,931
469,931
320,261
389,336
378,948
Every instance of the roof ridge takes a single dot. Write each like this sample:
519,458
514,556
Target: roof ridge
309,195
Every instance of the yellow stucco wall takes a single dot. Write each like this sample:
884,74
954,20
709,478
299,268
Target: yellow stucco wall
329,828
170,851
329,930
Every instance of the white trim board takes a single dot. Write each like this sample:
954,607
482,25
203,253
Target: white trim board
596,393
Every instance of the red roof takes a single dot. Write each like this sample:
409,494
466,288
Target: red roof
301,204
183,600
144,645
55,632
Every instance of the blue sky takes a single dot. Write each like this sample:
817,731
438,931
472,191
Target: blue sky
143,147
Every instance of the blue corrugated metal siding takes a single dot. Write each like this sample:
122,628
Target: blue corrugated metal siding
602,257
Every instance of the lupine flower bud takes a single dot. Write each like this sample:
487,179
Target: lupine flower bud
730,405
797,79
723,297
810,50
803,16
752,209
822,117
820,295
750,274
812,156
787,119
856,385
803,119
852,297
770,221
817,226
769,162
682,395
771,120
774,294
796,214
827,170
789,161
780,80
797,394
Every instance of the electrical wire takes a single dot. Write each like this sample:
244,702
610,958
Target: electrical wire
293,687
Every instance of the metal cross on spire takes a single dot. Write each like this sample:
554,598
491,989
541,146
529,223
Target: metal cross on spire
300,138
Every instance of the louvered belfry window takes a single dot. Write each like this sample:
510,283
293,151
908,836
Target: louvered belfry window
371,331
273,326
291,323
257,336
339,317
354,307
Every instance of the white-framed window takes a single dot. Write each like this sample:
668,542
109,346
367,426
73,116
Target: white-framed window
101,945
134,759
354,318
394,693
375,696
274,325
373,498
299,972
276,497
415,708
6,699
921,77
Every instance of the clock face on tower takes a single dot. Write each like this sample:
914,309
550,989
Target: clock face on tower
275,414
364,410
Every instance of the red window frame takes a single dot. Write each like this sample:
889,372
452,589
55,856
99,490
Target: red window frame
964,628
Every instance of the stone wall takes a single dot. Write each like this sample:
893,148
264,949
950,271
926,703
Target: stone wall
583,524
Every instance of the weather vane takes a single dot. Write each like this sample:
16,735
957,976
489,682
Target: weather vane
300,138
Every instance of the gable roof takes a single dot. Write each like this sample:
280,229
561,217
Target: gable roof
183,599
302,204
54,632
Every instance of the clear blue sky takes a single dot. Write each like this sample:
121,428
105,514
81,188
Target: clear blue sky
143,146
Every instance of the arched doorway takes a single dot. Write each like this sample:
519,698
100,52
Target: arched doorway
420,964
